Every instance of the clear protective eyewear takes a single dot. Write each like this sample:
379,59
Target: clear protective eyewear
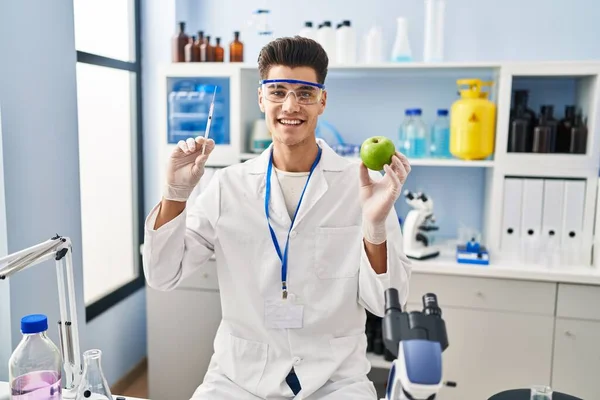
278,90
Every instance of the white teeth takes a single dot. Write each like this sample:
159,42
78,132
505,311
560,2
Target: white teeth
290,121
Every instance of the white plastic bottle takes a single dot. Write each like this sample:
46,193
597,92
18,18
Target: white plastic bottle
401,51
346,50
326,37
308,31
373,46
433,50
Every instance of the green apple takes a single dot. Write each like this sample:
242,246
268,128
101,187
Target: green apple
377,151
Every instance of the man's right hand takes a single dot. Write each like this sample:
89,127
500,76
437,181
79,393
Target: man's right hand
186,167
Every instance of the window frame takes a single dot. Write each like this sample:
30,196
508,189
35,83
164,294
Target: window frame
111,299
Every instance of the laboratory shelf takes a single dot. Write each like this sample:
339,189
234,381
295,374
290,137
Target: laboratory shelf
423,162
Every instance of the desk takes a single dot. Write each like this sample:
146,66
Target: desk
4,393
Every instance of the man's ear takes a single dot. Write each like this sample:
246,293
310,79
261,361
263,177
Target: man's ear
260,101
323,103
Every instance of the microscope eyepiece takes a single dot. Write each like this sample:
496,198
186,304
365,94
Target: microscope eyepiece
392,300
430,305
409,195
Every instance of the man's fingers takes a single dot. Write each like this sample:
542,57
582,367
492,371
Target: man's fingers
182,145
191,144
394,179
365,179
404,161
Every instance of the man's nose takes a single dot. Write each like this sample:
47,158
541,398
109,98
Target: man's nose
290,104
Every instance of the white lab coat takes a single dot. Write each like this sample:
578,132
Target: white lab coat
328,272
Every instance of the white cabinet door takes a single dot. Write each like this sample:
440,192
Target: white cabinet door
491,351
181,328
576,358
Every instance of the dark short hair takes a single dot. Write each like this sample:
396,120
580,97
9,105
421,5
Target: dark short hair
293,52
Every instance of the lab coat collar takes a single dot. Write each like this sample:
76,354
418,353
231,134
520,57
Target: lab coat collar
330,161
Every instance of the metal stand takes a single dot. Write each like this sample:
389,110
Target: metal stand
61,250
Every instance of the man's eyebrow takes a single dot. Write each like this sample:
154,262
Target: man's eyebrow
305,87
280,86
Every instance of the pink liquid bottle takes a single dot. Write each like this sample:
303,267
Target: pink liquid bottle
35,366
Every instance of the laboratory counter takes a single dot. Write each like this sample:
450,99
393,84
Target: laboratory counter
445,264
5,393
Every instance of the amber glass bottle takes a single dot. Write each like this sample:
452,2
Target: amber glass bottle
207,52
219,51
178,44
236,49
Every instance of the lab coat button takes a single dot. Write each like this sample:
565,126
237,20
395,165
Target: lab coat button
293,234
297,360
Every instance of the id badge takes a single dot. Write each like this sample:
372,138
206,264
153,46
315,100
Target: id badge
283,314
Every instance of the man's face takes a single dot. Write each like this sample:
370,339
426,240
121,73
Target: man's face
291,123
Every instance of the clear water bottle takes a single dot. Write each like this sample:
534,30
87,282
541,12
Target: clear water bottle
440,136
416,136
35,368
403,144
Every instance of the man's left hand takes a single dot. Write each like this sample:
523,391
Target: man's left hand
377,198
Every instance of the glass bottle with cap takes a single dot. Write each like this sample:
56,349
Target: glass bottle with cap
35,367
236,49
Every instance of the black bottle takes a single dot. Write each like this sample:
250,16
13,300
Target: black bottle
521,100
544,135
578,138
520,136
563,132
521,109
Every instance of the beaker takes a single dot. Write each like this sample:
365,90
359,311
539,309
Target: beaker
93,384
541,393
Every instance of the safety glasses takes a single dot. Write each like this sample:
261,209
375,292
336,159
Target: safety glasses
277,90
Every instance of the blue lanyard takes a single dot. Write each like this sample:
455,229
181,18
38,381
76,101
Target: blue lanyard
284,257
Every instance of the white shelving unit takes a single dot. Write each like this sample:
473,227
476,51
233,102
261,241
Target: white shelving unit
243,110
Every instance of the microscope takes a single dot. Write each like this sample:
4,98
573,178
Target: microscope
417,340
418,227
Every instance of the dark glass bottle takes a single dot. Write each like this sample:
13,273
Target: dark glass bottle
236,49
544,135
520,136
180,40
219,51
521,98
579,134
563,132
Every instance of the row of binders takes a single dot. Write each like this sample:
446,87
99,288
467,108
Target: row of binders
542,211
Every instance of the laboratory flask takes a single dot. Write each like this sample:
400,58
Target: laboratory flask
93,384
35,365
401,52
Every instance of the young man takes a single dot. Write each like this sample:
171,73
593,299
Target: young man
304,240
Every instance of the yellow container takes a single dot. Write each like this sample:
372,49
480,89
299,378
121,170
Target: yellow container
472,122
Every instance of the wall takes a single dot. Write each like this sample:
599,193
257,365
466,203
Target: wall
475,30
5,315
39,128
121,335
158,26
38,102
